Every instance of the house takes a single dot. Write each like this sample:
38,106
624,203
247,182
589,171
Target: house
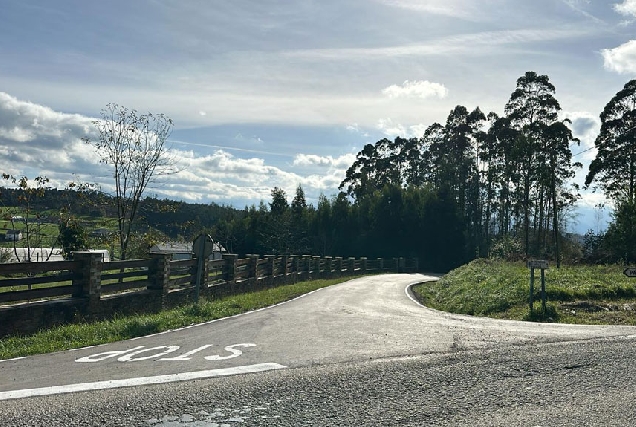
13,235
37,254
101,233
45,254
181,251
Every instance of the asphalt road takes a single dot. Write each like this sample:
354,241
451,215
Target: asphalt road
358,353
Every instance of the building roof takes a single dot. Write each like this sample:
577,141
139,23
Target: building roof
180,248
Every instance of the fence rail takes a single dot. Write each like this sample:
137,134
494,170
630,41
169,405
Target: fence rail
88,288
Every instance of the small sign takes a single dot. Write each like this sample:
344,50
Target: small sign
630,272
538,263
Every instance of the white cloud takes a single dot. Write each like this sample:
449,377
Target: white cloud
36,140
391,129
469,10
621,59
355,128
627,8
416,89
342,162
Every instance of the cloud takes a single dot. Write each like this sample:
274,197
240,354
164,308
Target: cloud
391,129
355,128
416,89
342,162
627,8
621,59
462,9
36,140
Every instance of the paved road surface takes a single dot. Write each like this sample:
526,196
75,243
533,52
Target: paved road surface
359,353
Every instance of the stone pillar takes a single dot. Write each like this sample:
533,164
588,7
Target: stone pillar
285,260
159,272
352,266
253,266
295,267
363,264
315,260
271,262
328,265
307,262
339,266
229,271
87,282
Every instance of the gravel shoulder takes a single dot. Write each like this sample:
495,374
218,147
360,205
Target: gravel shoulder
566,384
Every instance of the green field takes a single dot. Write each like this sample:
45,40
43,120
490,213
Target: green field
498,289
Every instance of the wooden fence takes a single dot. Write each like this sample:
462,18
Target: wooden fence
38,295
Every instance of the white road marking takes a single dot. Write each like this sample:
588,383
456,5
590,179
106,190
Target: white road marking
131,382
199,324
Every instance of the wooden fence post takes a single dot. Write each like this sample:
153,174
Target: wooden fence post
381,264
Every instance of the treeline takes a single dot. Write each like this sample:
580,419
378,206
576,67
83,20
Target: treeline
506,179
477,185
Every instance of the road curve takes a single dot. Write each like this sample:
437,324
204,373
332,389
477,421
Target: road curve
357,322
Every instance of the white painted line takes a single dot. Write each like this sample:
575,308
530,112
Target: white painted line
131,382
408,294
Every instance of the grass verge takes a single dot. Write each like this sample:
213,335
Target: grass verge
122,328
597,295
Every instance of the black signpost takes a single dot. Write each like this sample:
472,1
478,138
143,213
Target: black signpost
542,265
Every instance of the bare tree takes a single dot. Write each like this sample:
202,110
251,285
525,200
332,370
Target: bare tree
135,146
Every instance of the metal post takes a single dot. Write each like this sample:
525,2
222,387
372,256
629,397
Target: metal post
531,290
543,293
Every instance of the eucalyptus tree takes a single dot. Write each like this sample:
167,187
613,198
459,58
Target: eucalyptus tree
532,107
560,169
384,163
614,168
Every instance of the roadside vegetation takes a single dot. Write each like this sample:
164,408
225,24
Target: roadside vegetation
123,328
583,294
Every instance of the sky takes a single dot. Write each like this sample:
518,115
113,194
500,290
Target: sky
284,93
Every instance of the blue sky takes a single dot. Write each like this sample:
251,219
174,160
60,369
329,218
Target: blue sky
281,93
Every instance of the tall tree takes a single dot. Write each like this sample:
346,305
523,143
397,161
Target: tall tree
135,146
531,108
614,168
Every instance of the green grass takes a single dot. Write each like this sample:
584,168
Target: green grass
122,328
576,294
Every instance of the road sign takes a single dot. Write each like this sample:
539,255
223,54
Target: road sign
630,272
538,263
